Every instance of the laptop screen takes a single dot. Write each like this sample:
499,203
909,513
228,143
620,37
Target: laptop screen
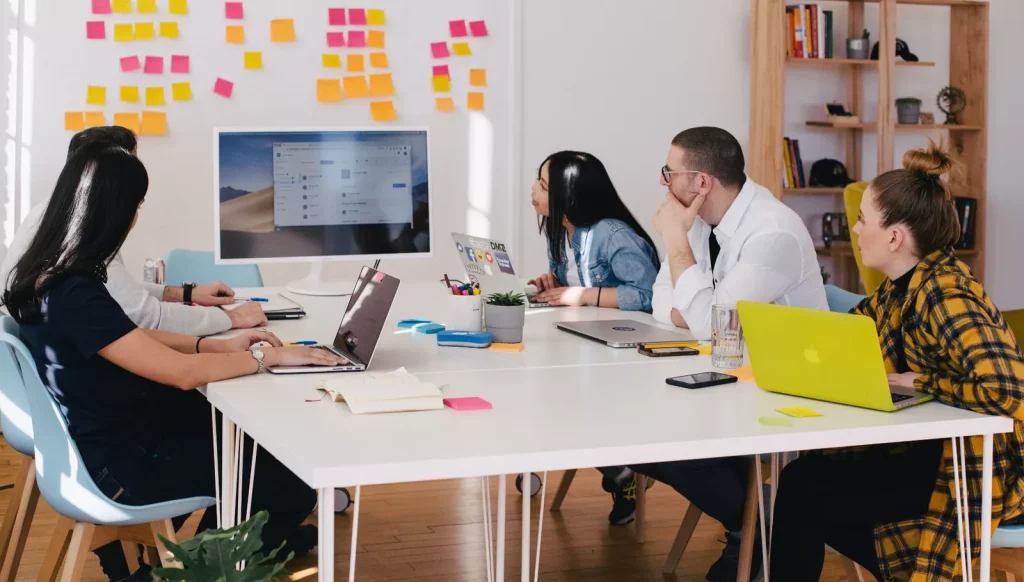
366,314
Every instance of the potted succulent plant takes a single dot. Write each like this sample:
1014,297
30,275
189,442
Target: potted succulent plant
505,316
908,110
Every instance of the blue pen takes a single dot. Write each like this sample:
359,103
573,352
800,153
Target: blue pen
303,343
256,299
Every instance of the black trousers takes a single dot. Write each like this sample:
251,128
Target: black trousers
838,500
716,486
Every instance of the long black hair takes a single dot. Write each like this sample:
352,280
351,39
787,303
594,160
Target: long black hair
580,191
86,221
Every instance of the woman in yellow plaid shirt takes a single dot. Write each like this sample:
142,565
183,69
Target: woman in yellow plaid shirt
891,508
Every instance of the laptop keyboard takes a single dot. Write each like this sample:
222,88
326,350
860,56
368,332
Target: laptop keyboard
900,397
345,361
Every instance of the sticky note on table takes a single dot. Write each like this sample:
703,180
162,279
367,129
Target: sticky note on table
74,121
153,123
381,86
445,104
458,28
155,96
144,31
744,373
356,87
375,39
383,111
121,6
123,32
332,61
146,6
467,403
375,17
253,60
478,77
169,29
178,7
129,93
328,90
336,17
282,30
127,121
357,16
179,63
379,60
439,50
96,95
475,101
355,63
154,66
442,84
101,7
234,11
478,28
461,49
507,347
357,38
335,39
778,421
95,119
234,34
799,412
129,64
441,71
181,91
223,87
95,29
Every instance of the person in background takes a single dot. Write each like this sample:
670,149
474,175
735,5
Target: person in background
891,508
148,305
128,394
598,254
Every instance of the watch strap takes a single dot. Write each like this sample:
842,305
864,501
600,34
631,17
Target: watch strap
186,292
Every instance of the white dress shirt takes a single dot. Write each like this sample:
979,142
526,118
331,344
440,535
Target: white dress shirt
766,255
141,301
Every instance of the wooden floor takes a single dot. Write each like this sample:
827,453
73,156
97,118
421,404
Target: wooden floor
434,531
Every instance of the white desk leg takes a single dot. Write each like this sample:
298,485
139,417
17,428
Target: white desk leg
355,532
325,523
986,510
216,468
526,528
500,558
227,472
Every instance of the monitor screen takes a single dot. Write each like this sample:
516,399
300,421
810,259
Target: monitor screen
312,195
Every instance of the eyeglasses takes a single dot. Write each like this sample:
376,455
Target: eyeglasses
666,173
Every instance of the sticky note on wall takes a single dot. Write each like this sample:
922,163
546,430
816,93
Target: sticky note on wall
154,65
96,95
74,121
180,64
478,77
441,71
478,28
178,7
357,39
375,17
375,39
253,60
169,29
234,11
101,7
123,32
155,96
147,6
332,61
461,49
234,34
95,29
379,60
335,39
144,31
129,94
328,90
439,50
475,101
336,17
95,119
445,104
181,91
381,86
357,16
223,87
356,87
457,28
121,6
282,30
442,84
153,123
383,111
127,121
356,63
129,64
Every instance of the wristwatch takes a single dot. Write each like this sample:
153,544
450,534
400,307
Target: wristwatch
186,292
257,355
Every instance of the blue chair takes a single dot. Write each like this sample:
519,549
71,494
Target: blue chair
69,489
198,267
1009,557
841,300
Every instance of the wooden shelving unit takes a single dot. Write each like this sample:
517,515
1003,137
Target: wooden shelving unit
968,70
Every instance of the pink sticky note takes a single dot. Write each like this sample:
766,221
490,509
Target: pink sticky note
465,404
336,16
439,50
478,28
357,39
335,39
458,28
357,16
129,64
441,71
180,63
234,11
223,87
96,29
154,66
101,7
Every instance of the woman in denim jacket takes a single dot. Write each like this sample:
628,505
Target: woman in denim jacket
610,261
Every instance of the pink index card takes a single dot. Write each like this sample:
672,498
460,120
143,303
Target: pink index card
336,17
234,11
357,39
101,7
458,28
223,87
95,29
478,28
335,39
129,64
357,16
439,50
465,404
180,64
441,71
154,66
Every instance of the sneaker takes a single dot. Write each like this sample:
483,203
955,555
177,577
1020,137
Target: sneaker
727,566
302,541
623,498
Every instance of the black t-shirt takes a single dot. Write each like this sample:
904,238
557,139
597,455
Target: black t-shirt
902,285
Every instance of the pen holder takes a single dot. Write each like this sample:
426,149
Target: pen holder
465,312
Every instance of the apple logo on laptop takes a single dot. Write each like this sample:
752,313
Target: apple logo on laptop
624,328
812,357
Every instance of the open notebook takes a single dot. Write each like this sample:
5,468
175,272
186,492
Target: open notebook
276,306
370,393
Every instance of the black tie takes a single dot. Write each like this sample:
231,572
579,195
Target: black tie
715,249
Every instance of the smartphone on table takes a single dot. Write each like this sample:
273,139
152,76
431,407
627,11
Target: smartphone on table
666,352
701,380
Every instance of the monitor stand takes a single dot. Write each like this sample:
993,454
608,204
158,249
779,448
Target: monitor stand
314,284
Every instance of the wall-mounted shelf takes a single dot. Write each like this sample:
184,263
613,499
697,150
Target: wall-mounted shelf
899,126
857,62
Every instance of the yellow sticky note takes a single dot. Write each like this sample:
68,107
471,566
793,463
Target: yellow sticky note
153,123
375,17
328,90
121,6
445,104
282,30
254,60
745,373
379,60
144,31
475,102
332,61
381,86
798,412
461,49
169,29
383,111
154,96
181,91
356,87
74,121
356,64
147,6
123,32
95,95
178,7
375,39
442,84
234,34
127,121
95,119
478,77
507,347
129,93
705,349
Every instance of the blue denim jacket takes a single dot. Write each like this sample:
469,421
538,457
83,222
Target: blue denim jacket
611,254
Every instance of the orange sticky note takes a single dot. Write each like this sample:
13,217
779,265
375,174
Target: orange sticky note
153,123
475,102
127,121
121,6
129,93
282,30
96,95
381,86
178,7
169,29
356,87
155,96
95,119
375,39
507,347
442,84
234,34
181,91
123,32
745,373
147,7
445,104
379,60
332,61
254,60
478,77
328,90
356,63
461,49
74,121
144,31
383,111
375,18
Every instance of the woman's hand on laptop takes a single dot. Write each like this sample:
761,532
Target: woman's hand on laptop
569,296
903,380
241,342
545,282
247,315
299,356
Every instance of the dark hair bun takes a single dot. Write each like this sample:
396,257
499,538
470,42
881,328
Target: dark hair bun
932,161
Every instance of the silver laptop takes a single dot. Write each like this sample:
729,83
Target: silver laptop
623,333
489,263
361,326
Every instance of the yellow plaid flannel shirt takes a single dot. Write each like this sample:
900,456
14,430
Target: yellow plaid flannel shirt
957,340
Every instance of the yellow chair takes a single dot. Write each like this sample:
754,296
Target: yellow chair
1015,319
852,196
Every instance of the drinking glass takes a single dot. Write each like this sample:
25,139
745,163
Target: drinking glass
726,337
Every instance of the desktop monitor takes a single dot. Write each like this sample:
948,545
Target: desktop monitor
320,195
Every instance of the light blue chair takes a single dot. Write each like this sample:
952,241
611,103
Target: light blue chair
198,267
69,489
841,300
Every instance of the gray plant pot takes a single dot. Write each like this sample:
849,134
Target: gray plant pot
505,322
858,48
908,113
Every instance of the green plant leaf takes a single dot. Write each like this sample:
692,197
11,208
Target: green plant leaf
509,299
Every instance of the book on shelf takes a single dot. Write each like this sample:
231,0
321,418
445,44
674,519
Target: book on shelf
793,176
810,32
787,174
966,209
801,181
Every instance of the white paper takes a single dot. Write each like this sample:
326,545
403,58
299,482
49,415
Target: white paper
383,392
